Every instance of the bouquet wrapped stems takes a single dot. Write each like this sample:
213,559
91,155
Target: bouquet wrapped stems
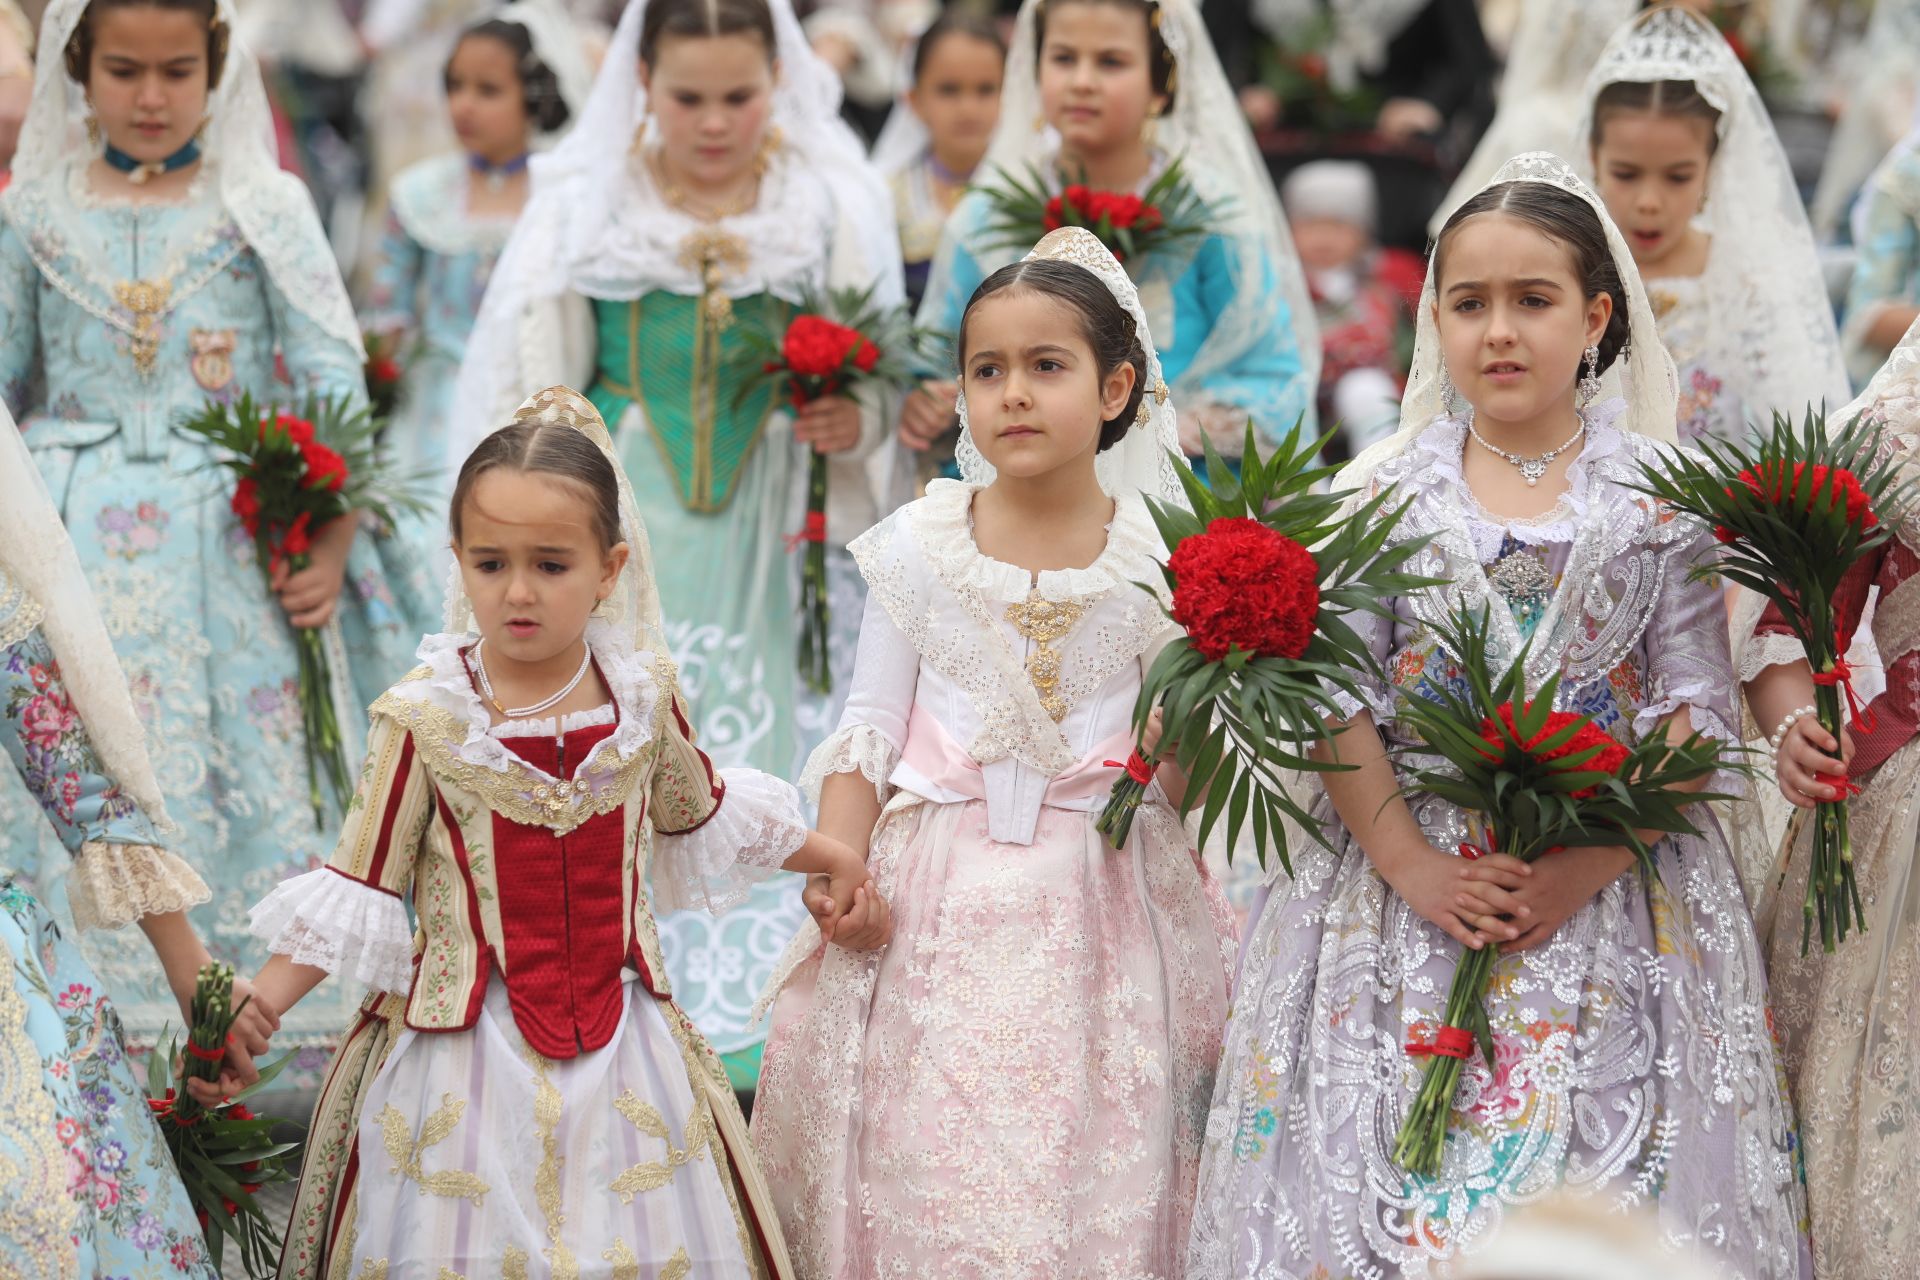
1423,1135
815,660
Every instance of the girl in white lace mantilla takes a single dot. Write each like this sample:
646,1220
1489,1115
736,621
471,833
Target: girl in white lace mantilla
1633,1061
1012,1086
1680,147
521,1082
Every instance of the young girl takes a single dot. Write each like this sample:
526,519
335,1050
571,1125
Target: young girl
513,83
1846,1018
167,264
1682,151
1014,1086
1111,92
708,187
526,1084
1628,1011
86,1185
936,136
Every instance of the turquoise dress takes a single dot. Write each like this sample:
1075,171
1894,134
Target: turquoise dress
86,1185
1184,291
116,320
429,273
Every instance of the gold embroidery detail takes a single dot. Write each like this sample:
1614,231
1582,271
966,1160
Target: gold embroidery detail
547,1104
373,1269
518,794
513,1264
625,1265
652,1175
715,254
1045,622
448,1273
148,301
40,1218
678,1267
405,1151
20,613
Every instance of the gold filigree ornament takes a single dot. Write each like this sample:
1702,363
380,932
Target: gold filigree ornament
1044,623
148,301
405,1151
652,1175
714,255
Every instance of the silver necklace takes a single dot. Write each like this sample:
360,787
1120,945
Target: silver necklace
1531,469
522,713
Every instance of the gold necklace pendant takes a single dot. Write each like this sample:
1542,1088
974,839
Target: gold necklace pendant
147,300
714,254
1044,622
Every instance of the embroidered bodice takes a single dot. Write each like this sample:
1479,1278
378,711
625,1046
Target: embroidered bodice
1709,406
974,677
1598,586
114,317
434,259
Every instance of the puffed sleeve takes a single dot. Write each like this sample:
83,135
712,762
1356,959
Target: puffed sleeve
318,362
120,870
716,832
349,916
394,280
1689,657
873,728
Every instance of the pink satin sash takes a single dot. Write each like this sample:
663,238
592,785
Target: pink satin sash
932,753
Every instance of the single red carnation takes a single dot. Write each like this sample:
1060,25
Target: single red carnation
239,1109
1054,216
815,346
1838,486
866,357
246,504
297,542
1609,759
1243,585
325,469
383,370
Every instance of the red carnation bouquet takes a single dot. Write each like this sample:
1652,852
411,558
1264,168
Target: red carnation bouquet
1261,573
834,345
1167,213
295,474
1539,781
1803,507
227,1154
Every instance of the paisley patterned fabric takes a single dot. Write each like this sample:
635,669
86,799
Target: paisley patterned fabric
97,371
1634,1057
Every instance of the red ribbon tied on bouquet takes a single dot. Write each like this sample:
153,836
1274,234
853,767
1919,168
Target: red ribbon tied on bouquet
1448,1042
1137,769
815,530
209,1055
1842,675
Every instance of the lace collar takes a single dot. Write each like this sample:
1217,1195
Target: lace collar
444,685
429,200
942,529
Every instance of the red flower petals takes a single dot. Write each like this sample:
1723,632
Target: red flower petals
1609,759
1837,485
1243,585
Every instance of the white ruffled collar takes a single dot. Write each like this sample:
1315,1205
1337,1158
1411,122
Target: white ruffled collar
448,686
430,201
942,527
1439,452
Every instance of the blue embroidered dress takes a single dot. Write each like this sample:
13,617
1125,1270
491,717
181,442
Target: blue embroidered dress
430,270
86,1185
116,320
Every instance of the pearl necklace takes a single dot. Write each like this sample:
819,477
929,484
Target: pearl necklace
1531,469
534,709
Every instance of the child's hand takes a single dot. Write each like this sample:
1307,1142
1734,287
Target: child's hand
849,907
830,424
1150,740
309,595
1434,883
1487,900
1560,885
927,413
257,1021
1807,750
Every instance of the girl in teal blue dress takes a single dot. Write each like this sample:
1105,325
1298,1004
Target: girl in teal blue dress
168,264
1111,92
87,1187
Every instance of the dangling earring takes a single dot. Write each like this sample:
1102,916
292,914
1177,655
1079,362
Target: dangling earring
1039,121
1150,128
93,129
1446,390
770,142
1590,380
639,143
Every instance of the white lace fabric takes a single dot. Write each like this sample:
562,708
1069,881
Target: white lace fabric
1772,330
853,748
114,885
758,826
323,918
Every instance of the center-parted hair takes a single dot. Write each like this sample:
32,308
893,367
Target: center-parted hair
680,18
1161,68
1103,323
1670,99
539,86
79,50
960,25
548,449
1565,218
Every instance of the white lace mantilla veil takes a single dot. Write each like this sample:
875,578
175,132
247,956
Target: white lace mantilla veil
567,240
633,610
1771,318
558,46
1143,461
1205,130
37,554
272,208
1643,375
1542,90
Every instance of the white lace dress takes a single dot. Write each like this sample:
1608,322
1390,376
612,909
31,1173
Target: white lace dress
1015,1086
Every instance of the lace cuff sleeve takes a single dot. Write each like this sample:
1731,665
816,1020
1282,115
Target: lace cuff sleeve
330,920
856,748
113,885
755,828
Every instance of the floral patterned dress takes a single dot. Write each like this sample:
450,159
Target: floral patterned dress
117,319
1709,407
86,1185
1635,1060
